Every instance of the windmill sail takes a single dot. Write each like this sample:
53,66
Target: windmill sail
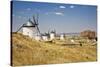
30,21
37,18
38,29
36,23
19,28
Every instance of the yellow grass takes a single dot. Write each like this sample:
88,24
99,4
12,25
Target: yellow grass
26,51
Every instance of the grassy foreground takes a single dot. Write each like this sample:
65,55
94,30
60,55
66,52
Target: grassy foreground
26,51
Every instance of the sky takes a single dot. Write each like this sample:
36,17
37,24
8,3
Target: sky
64,18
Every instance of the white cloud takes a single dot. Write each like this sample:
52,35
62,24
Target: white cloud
28,9
72,6
59,13
56,13
62,7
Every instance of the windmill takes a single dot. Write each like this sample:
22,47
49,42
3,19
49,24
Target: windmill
35,20
31,27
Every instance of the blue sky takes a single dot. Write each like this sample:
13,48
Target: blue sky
64,18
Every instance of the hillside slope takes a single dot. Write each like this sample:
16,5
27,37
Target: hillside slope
26,51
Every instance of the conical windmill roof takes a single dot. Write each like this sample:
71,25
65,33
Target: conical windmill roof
29,24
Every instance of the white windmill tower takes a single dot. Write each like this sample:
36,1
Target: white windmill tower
62,36
52,35
31,28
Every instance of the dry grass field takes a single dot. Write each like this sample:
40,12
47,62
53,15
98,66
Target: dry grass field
26,51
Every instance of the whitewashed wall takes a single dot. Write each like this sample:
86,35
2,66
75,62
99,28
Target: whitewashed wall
45,38
52,36
62,37
30,31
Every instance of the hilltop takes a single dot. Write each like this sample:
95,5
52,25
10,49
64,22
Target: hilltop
27,51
